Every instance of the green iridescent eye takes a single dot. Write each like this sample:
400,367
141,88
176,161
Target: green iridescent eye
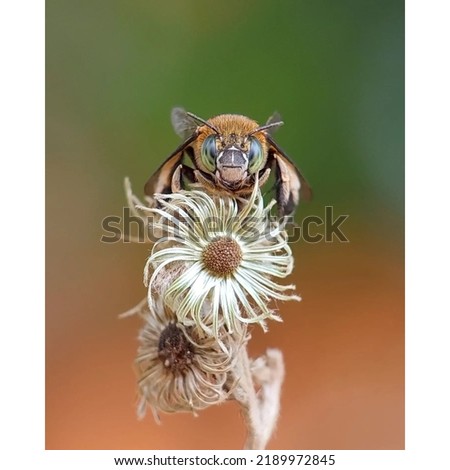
255,155
209,153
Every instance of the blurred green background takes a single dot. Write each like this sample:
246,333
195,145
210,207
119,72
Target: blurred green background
335,72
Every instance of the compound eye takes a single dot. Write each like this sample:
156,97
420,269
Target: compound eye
209,153
255,155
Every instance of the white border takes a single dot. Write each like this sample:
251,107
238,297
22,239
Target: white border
427,229
22,234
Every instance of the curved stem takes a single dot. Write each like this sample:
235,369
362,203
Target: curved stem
260,409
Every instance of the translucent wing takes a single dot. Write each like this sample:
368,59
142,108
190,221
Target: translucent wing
161,180
276,117
291,184
183,124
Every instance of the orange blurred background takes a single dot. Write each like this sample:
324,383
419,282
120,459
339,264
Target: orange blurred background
343,347
336,75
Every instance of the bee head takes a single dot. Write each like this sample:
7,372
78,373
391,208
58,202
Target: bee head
229,147
228,151
232,158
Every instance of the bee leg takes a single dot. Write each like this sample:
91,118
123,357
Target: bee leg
188,174
264,177
176,180
182,172
288,186
204,181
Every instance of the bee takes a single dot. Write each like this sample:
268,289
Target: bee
228,154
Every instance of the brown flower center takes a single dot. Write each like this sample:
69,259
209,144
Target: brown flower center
222,256
175,351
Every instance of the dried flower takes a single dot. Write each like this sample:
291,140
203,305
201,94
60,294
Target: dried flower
231,250
213,264
179,368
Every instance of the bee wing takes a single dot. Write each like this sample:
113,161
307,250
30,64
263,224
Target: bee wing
276,117
161,180
183,124
291,184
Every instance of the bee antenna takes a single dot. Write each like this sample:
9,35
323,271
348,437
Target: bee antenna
267,126
193,116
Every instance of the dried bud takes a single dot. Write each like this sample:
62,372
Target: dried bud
179,368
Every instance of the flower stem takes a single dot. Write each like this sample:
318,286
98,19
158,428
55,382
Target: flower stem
260,409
